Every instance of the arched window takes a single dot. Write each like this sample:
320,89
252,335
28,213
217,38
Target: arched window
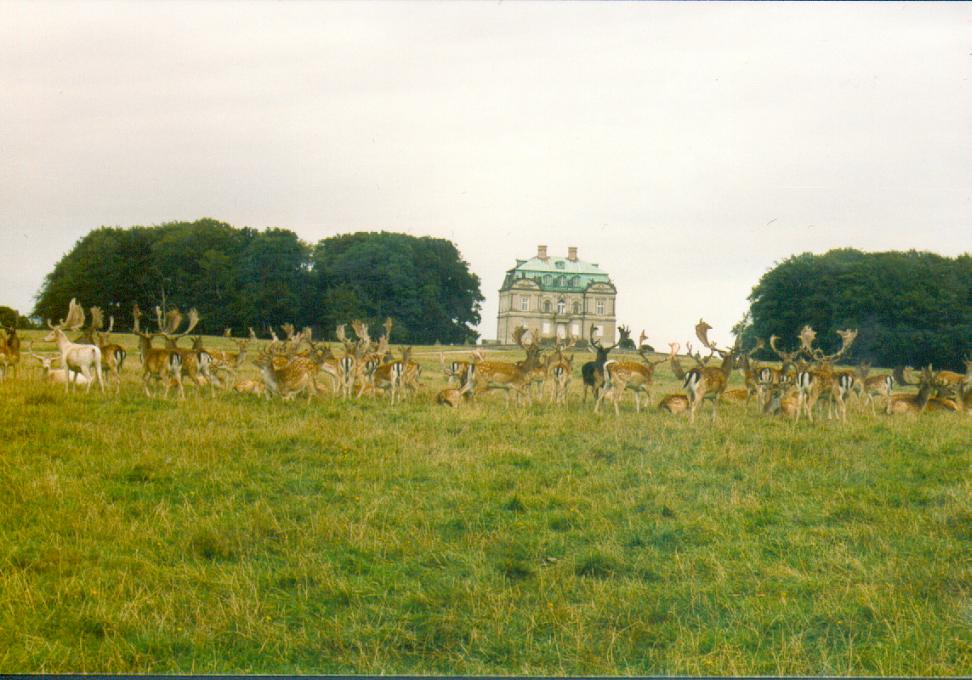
546,306
574,281
561,307
576,308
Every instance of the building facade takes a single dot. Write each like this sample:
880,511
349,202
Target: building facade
557,296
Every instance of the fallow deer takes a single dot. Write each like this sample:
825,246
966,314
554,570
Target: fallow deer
592,372
77,359
507,376
628,375
913,404
708,382
158,363
56,376
9,351
819,381
674,403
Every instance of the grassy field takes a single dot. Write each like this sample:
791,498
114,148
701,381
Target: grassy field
238,534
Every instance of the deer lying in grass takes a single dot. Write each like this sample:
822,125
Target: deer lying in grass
913,404
55,376
674,403
783,400
77,359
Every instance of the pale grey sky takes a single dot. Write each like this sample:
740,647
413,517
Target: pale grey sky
684,147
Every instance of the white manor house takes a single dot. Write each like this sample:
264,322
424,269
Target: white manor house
557,296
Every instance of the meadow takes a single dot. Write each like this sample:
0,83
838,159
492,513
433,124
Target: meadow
237,534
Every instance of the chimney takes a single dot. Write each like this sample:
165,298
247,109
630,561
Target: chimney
572,253
541,252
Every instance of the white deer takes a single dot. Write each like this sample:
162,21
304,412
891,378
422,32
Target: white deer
57,376
75,358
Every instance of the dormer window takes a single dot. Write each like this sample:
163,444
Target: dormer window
560,264
562,281
547,279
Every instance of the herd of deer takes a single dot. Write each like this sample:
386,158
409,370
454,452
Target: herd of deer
297,365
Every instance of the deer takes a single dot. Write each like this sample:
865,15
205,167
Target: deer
76,358
592,372
397,376
195,363
770,376
559,369
288,379
56,376
819,380
226,361
112,355
674,403
913,404
507,376
164,365
628,375
752,373
705,381
782,399
871,386
456,371
9,351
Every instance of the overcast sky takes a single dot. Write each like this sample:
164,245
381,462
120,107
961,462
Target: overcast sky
683,147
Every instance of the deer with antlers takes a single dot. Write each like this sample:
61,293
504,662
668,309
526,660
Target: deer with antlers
507,376
818,380
195,363
592,372
620,376
76,358
913,404
708,382
112,355
161,364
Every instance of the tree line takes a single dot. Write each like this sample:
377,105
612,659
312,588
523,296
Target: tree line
911,308
242,277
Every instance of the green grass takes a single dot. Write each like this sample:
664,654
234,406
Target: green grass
240,535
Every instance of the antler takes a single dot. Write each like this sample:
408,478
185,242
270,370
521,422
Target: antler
518,333
97,319
388,326
136,316
288,330
75,317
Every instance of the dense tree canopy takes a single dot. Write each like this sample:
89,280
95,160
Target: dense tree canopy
910,307
243,277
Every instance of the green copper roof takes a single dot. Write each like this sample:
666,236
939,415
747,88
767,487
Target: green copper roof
559,265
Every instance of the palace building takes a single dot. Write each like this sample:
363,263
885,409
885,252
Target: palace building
557,296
